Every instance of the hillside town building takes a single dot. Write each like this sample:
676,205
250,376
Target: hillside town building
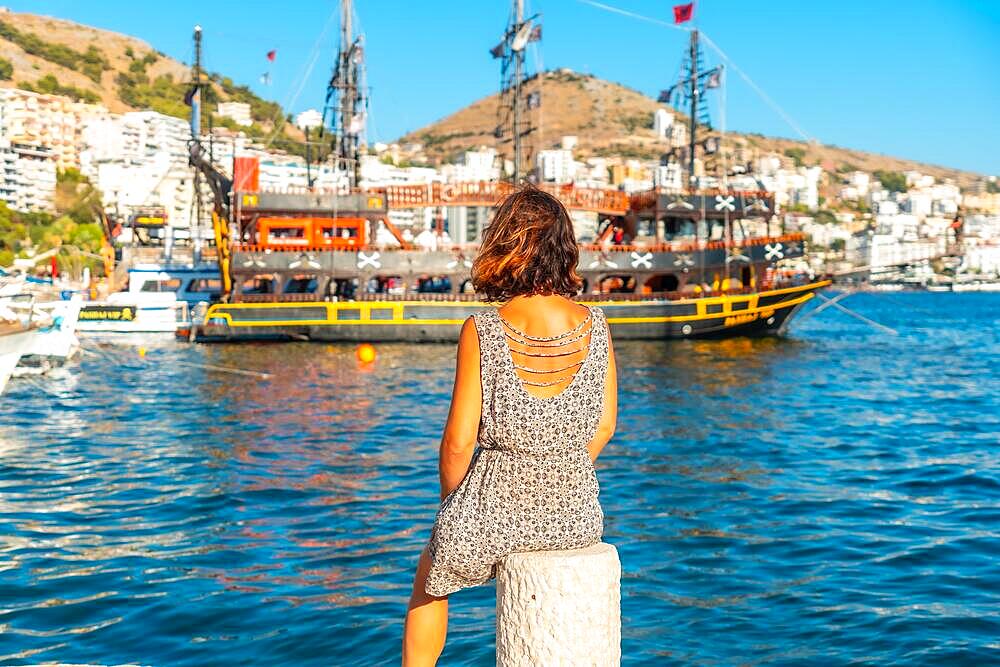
139,162
53,122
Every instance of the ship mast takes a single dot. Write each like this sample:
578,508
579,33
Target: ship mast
346,101
691,90
196,138
692,121
518,92
513,119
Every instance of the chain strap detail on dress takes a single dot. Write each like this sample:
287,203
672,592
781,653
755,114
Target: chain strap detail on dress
526,369
548,384
562,343
544,339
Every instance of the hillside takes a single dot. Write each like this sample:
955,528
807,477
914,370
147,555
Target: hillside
123,73
611,119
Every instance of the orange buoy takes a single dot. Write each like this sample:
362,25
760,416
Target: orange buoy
366,353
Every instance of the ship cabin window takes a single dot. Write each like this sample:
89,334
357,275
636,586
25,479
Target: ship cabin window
304,284
281,235
434,284
616,284
674,228
343,232
258,285
386,285
171,285
646,228
661,282
716,230
341,289
205,285
340,232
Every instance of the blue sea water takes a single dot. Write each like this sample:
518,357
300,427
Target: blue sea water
828,498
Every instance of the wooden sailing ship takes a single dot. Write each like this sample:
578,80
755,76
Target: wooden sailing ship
305,265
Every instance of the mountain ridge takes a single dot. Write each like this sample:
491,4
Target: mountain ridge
125,73
610,118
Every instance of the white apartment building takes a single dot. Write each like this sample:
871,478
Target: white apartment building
861,180
669,176
466,223
901,226
593,173
375,173
139,160
237,111
663,121
882,252
51,121
666,127
800,186
917,180
825,236
27,176
919,204
477,165
555,166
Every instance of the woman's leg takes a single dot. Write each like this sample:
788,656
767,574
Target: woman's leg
426,621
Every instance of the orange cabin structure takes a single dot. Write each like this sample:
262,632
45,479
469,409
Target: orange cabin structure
311,232
338,232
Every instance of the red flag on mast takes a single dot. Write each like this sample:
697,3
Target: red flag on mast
683,13
271,54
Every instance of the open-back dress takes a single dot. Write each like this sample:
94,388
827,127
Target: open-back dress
531,484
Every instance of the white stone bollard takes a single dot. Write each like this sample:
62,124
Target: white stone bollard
559,608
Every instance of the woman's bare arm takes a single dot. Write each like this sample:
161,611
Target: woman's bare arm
609,416
462,429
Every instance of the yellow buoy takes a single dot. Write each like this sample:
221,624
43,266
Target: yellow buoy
142,352
366,353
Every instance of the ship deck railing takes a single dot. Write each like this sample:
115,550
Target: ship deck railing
685,246
431,297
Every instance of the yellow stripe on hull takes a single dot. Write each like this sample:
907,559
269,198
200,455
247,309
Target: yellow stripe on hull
363,309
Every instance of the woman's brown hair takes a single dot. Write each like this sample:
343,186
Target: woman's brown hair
529,248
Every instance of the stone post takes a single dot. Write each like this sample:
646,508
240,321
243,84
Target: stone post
559,608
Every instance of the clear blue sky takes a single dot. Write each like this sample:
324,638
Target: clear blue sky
916,79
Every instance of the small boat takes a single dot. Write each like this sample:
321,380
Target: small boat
158,300
55,342
976,286
15,339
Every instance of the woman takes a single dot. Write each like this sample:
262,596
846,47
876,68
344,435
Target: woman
535,389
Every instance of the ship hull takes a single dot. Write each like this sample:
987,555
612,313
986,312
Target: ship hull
765,313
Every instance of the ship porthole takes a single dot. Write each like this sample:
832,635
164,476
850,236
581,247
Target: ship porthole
770,320
686,329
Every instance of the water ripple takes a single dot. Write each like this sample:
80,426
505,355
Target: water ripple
832,498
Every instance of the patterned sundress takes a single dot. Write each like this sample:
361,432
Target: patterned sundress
531,484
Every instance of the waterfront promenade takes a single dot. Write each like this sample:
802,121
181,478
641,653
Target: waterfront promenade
821,499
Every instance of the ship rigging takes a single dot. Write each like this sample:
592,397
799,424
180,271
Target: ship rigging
514,126
346,108
315,264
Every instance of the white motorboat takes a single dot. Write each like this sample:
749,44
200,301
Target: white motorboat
56,342
54,323
158,300
977,286
15,339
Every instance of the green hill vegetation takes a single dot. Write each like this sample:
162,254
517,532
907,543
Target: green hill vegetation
48,55
72,228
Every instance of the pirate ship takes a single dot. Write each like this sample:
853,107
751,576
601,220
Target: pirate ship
328,265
